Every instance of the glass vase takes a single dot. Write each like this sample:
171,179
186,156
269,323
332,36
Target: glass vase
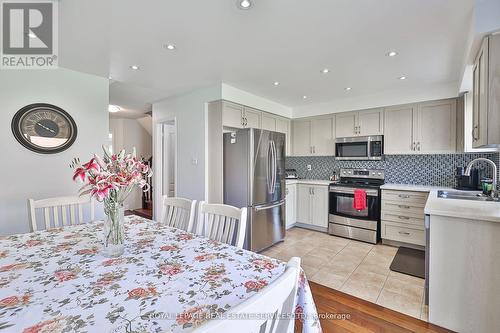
114,235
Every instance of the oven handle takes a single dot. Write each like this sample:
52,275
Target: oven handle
343,190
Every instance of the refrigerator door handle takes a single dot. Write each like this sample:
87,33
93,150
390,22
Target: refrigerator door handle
269,206
275,166
269,167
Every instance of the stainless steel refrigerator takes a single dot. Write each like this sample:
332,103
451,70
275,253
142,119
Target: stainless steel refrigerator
254,177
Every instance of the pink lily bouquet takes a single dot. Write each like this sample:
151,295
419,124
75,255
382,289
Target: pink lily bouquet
110,179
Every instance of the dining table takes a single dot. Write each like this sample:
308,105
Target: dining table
167,280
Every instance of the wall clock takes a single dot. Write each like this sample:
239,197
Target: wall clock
44,128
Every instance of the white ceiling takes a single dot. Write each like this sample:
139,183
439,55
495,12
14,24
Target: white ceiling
289,41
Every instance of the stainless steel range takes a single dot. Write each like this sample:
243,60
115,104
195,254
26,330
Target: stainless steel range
344,220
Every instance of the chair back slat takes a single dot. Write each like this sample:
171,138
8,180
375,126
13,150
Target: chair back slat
277,301
51,207
178,213
46,213
72,214
223,223
80,213
64,216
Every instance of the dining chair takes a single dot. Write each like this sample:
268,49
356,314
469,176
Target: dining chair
269,310
64,205
222,223
178,213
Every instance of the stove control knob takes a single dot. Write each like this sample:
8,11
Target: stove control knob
379,173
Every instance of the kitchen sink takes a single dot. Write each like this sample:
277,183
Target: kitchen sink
465,196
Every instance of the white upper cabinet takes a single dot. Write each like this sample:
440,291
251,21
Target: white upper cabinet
345,124
268,122
359,123
437,127
232,115
314,137
252,118
239,116
283,126
398,129
370,122
424,128
486,94
301,134
322,138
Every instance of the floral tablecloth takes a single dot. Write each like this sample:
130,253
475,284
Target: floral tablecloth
167,280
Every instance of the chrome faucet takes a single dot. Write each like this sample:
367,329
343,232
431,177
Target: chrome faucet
494,192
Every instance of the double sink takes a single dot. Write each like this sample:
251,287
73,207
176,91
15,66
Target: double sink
475,196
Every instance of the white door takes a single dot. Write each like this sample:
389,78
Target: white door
371,122
398,129
322,141
252,118
268,122
232,115
319,204
344,124
304,203
302,138
291,199
437,125
283,126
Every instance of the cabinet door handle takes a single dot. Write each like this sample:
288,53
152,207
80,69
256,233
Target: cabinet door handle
312,188
403,206
474,133
314,149
413,146
404,233
418,146
404,196
286,191
403,217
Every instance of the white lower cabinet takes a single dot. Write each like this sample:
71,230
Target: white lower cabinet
291,205
312,205
402,216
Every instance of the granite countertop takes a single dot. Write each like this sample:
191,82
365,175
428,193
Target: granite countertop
309,181
462,209
412,187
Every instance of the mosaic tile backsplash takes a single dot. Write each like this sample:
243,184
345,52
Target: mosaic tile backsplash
438,170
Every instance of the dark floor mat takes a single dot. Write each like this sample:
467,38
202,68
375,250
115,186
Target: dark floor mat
409,261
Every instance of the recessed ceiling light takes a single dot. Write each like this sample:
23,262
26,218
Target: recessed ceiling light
304,97
31,35
276,83
244,4
114,108
402,77
170,47
347,88
391,54
134,67
325,70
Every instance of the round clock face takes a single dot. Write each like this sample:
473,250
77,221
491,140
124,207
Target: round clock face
44,128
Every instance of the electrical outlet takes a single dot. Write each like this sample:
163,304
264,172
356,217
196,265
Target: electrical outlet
309,167
194,161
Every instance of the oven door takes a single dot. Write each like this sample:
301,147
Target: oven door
342,201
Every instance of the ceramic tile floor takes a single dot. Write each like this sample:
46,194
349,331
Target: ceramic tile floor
353,267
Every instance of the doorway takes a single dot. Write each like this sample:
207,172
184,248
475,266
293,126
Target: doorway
165,163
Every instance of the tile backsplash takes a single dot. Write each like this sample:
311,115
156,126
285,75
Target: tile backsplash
438,170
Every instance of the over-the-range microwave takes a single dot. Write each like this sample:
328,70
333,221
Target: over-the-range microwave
360,148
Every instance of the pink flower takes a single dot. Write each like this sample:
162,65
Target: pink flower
171,270
169,248
65,275
13,301
92,165
194,316
13,267
79,174
139,293
33,242
254,285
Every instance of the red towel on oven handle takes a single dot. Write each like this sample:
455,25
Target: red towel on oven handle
359,200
